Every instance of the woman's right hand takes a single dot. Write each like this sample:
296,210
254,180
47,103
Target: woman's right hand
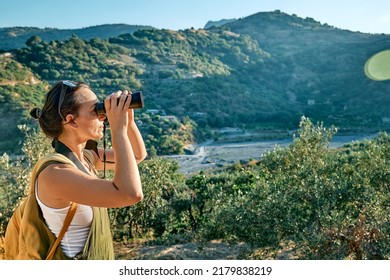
116,111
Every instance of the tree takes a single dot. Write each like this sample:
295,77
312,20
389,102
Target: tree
33,41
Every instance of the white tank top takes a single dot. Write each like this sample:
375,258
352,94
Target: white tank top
76,236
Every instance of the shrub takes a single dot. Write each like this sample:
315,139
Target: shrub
15,173
335,204
160,183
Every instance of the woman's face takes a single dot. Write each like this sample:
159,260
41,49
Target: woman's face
89,125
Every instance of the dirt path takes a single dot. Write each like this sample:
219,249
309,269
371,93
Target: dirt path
8,83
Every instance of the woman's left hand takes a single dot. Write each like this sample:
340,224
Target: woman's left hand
130,112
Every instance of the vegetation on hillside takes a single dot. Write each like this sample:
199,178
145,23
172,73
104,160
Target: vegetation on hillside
20,89
320,68
15,37
331,204
260,72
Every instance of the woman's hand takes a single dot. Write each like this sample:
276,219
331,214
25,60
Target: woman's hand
117,105
122,124
126,176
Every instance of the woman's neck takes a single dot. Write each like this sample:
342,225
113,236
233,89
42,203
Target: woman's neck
74,145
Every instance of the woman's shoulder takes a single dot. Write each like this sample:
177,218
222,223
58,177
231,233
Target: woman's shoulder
51,159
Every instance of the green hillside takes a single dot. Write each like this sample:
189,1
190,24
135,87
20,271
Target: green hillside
266,73
15,37
320,68
20,90
262,72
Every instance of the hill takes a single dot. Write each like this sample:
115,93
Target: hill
217,23
320,67
19,89
262,72
15,37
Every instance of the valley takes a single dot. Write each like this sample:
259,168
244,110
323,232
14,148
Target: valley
213,155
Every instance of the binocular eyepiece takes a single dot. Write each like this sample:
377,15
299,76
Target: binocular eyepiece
137,102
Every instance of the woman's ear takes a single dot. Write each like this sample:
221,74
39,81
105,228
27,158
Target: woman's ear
69,119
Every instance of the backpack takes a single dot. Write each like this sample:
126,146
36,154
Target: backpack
27,236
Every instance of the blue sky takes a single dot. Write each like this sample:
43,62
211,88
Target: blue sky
356,15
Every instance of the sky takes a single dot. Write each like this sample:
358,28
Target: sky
371,16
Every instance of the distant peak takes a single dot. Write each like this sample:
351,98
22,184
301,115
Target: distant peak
218,23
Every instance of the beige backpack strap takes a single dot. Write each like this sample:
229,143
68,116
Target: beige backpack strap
68,220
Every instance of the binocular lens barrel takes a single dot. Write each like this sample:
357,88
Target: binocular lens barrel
137,101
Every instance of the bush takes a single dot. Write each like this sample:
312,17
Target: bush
15,173
151,216
332,204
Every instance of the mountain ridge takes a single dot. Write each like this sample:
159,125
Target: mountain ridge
217,23
15,37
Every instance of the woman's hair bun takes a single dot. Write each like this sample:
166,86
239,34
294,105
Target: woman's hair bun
36,113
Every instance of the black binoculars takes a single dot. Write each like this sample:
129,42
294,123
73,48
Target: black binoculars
137,102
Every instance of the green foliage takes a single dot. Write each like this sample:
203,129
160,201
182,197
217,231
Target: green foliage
79,60
16,37
12,71
333,204
13,179
15,102
160,183
264,71
164,135
20,91
15,172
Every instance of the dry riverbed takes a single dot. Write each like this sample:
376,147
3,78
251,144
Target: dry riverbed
210,155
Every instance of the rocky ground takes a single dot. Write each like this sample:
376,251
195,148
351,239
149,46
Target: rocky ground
213,155
210,155
213,250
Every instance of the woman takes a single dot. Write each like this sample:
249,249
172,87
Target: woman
69,118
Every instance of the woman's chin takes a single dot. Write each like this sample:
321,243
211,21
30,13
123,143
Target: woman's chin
99,135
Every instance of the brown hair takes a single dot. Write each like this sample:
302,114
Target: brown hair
49,118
